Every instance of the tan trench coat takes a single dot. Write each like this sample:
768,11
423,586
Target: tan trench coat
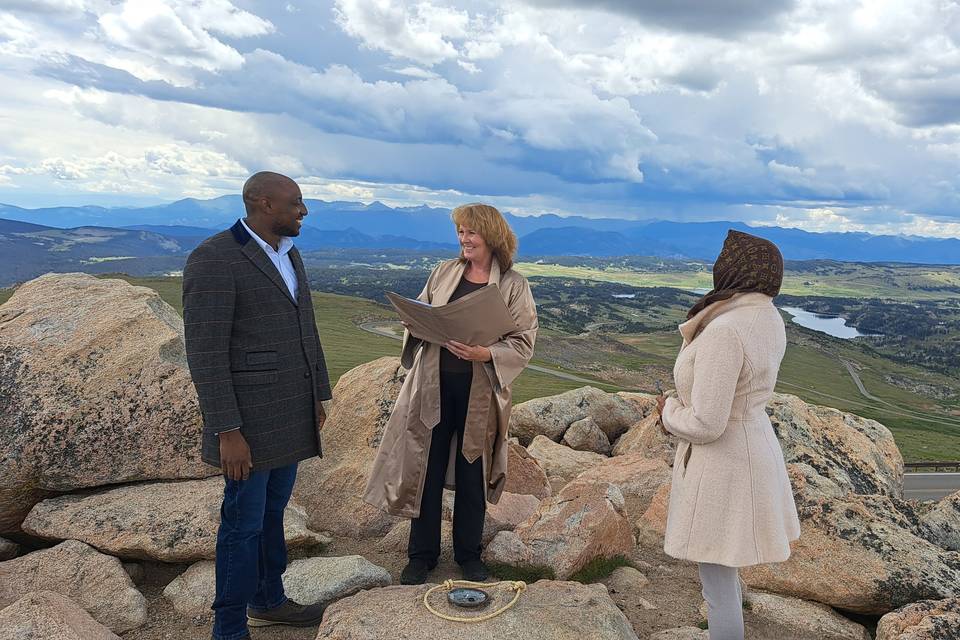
399,470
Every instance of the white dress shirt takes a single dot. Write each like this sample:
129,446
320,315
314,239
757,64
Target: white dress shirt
279,258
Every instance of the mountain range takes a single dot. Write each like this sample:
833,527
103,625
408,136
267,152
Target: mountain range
37,240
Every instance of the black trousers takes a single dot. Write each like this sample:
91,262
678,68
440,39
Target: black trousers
470,503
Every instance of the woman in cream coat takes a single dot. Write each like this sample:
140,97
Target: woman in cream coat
731,504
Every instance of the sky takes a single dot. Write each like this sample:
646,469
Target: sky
821,115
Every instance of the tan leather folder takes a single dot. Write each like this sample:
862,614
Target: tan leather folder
478,318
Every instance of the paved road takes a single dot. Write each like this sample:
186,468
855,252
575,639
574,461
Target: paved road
930,486
373,328
857,381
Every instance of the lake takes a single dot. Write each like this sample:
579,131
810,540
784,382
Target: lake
831,325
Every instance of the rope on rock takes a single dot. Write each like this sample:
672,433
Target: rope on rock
518,586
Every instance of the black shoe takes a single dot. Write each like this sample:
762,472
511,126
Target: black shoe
289,613
416,571
475,571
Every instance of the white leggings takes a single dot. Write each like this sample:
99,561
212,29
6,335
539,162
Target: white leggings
721,590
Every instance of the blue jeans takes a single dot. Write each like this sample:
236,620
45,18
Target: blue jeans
251,549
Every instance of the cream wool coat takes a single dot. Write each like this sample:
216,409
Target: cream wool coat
731,502
399,470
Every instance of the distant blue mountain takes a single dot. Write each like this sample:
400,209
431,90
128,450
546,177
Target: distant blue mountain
376,225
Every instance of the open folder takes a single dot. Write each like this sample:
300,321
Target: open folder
478,318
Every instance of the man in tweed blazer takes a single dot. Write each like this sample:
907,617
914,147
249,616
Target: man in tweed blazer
257,364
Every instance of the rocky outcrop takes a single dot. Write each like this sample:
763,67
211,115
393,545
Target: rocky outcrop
941,524
647,439
637,477
861,553
553,415
560,461
585,435
927,620
546,610
331,488
857,454
45,615
166,521
524,473
94,390
73,569
306,581
583,522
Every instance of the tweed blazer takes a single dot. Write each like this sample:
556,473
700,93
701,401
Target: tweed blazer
730,502
254,352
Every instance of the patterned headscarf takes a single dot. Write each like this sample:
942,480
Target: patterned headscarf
746,263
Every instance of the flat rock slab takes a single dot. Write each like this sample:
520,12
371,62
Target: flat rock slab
306,581
547,610
45,615
94,390
73,569
165,521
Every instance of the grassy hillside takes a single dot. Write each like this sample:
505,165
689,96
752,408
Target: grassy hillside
811,278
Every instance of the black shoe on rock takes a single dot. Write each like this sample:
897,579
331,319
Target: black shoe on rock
475,571
289,613
416,571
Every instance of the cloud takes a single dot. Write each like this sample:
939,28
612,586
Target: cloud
422,33
669,110
717,17
182,32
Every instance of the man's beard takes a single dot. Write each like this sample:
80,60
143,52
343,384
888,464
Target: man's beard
286,231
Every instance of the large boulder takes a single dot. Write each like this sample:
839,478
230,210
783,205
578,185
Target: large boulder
857,454
45,615
546,610
941,524
582,522
73,569
524,473
307,580
331,488
560,461
94,390
927,620
552,416
861,553
166,521
585,435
